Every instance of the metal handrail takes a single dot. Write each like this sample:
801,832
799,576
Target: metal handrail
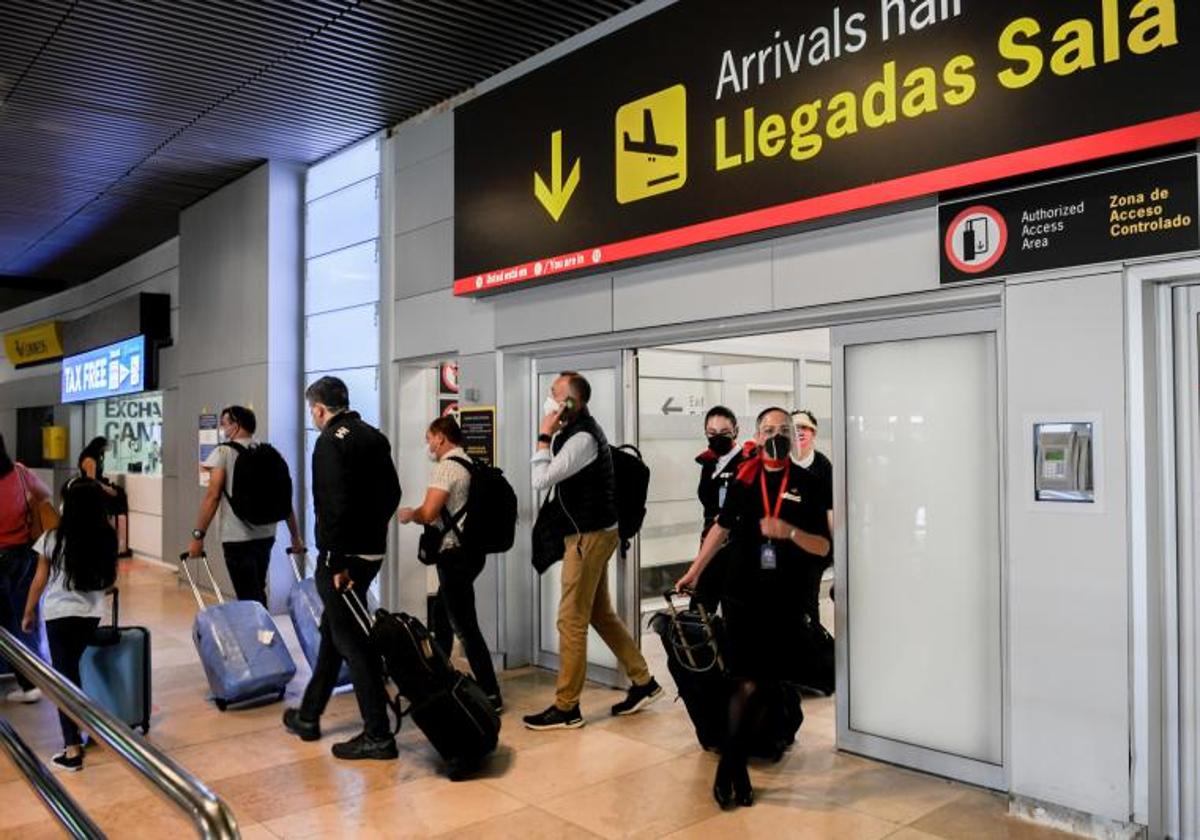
211,816
72,817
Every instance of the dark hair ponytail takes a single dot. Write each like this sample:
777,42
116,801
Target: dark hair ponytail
85,544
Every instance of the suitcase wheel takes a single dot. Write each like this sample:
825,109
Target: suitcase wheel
221,704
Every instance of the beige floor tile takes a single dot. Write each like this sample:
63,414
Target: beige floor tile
766,819
981,816
911,834
646,803
421,809
255,831
260,796
527,824
570,763
884,792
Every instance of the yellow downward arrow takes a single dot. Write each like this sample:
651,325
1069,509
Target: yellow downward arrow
555,196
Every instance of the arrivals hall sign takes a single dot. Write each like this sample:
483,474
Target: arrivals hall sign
710,120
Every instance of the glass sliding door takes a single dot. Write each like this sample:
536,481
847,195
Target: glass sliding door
920,627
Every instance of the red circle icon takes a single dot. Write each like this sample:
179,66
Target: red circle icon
976,239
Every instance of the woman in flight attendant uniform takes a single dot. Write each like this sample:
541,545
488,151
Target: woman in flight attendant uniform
776,514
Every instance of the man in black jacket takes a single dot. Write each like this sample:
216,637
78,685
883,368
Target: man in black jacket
355,494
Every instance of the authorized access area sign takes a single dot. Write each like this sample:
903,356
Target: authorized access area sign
711,120
1136,211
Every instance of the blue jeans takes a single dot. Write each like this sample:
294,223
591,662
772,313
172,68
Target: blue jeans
17,565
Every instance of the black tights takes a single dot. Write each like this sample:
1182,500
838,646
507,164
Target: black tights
748,704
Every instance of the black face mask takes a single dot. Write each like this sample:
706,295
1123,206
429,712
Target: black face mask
778,448
720,444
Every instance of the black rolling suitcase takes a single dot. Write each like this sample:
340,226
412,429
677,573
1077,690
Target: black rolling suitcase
447,706
694,641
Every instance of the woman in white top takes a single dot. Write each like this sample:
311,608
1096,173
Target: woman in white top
77,564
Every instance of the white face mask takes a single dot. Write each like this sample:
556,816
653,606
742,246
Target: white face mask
431,455
550,406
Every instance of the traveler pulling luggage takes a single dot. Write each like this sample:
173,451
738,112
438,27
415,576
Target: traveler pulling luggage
115,670
693,640
305,609
447,706
243,654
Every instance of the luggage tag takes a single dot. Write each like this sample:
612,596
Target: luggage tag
265,637
766,557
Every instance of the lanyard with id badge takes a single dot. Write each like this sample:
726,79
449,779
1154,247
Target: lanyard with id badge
767,559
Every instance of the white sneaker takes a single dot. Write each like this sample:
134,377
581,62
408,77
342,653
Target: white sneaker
31,696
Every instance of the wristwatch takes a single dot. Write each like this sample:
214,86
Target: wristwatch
197,534
792,535
545,438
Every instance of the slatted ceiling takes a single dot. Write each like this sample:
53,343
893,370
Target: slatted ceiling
117,114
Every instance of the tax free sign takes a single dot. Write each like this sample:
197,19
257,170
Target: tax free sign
712,121
105,372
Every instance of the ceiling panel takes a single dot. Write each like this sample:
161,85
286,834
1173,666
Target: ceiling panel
117,114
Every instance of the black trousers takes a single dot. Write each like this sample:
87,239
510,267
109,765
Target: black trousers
810,597
68,639
712,581
17,565
457,570
343,639
248,563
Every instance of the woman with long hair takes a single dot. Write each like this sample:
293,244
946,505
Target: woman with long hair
77,564
91,465
20,492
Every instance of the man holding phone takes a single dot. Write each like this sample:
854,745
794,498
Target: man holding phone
574,459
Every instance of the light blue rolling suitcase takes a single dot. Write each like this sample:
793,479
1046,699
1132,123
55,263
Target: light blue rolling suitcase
243,654
115,670
305,608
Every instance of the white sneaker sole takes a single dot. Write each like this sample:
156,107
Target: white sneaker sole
641,704
576,724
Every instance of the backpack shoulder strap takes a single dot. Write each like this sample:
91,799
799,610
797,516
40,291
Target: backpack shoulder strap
235,446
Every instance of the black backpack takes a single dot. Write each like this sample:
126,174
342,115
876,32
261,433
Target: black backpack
632,487
262,485
490,526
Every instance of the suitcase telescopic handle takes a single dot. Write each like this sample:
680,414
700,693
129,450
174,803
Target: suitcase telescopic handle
292,555
183,560
358,610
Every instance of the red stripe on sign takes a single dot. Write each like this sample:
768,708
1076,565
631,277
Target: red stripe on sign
1118,141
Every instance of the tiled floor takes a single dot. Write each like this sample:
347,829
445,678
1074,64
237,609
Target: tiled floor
637,777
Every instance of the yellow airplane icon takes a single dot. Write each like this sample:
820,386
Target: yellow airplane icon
651,145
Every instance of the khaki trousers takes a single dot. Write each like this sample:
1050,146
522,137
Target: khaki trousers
585,600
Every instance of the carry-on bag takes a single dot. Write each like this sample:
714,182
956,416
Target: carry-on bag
694,641
305,608
115,670
447,706
243,654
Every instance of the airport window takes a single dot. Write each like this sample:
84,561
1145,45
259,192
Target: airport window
341,282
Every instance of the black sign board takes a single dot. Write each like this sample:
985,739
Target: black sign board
1138,211
711,120
479,433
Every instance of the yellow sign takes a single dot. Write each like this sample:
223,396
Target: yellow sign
39,343
555,195
54,443
652,145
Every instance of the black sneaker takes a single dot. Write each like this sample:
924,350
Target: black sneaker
73,765
497,703
638,698
363,746
555,718
308,730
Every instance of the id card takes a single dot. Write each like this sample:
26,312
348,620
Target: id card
721,493
766,557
